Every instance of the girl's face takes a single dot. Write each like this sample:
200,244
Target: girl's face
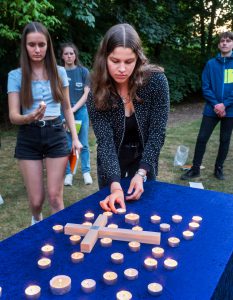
121,63
69,57
36,45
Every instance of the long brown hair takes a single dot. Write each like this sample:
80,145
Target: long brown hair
50,66
76,52
103,86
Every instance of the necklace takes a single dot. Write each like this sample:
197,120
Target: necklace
125,99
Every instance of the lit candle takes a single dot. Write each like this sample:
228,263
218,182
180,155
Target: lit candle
155,288
170,264
117,258
164,227
121,211
60,284
44,263
58,228
137,228
75,239
176,218
114,226
47,249
173,242
108,214
32,292
132,219
155,219
106,242
124,295
188,235
89,216
194,226
150,263
88,285
87,223
157,252
134,246
77,257
110,278
0,291
131,274
197,219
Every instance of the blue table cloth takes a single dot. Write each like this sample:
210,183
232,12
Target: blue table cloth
204,264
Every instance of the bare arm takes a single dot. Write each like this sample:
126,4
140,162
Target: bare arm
82,100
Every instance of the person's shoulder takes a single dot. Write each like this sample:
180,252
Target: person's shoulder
16,73
61,69
156,77
83,69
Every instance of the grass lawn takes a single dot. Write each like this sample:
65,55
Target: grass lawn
15,215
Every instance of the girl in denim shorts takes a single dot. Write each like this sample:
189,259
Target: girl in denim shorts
36,92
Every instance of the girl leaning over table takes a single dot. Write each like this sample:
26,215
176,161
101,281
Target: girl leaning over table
36,91
128,107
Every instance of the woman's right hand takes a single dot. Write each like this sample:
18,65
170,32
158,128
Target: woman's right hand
116,197
37,114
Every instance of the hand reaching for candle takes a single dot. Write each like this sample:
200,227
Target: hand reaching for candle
116,197
136,188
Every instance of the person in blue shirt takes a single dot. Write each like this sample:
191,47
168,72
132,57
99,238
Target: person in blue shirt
217,87
36,92
78,77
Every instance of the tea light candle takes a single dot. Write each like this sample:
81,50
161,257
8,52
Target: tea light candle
88,285
131,274
170,264
60,285
75,239
197,219
108,214
32,292
187,234
155,219
110,278
106,242
157,252
164,227
114,226
87,223
176,218
124,295
44,263
150,263
47,249
194,226
121,211
77,257
58,228
155,288
137,228
134,246
132,219
0,291
173,242
89,216
117,258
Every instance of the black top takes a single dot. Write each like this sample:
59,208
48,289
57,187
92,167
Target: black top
131,136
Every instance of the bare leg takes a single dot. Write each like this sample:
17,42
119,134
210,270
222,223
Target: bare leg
55,177
32,171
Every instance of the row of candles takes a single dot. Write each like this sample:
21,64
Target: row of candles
61,284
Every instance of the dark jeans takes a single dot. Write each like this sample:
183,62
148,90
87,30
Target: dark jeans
129,160
207,126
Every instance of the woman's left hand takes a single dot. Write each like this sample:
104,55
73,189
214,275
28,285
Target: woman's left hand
136,188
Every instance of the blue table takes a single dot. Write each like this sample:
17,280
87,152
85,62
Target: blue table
205,263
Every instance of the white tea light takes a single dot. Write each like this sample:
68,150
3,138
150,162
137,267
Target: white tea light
106,242
88,285
87,223
58,228
170,264
60,284
155,219
75,239
47,249
157,252
108,214
137,228
77,257
110,278
134,246
121,211
132,219
176,218
89,216
114,226
197,219
173,242
188,235
155,288
44,263
194,226
164,227
32,292
124,295
117,258
131,274
150,263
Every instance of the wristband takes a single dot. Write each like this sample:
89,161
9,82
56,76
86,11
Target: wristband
144,177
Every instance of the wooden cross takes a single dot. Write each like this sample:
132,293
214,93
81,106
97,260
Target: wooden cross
98,230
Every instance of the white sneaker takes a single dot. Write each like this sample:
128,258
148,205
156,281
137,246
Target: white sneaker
68,179
87,178
34,221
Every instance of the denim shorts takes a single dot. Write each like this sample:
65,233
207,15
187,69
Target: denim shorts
39,140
